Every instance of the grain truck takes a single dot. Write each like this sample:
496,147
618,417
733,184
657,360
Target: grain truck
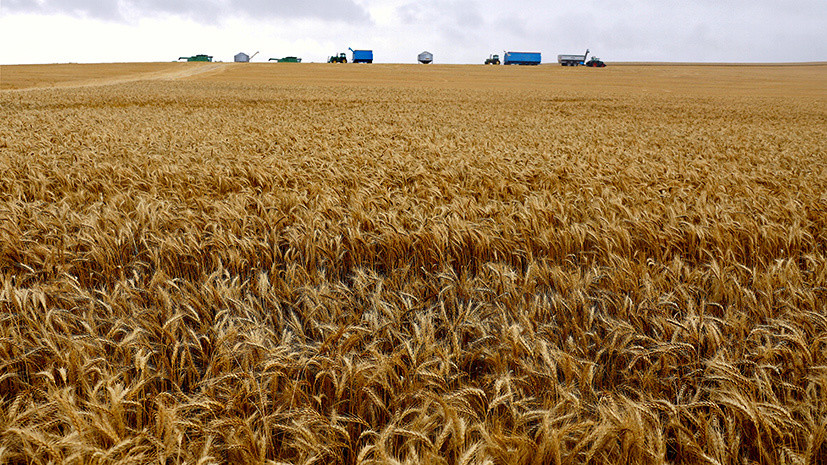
362,56
521,58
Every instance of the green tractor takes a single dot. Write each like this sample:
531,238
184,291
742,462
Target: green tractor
341,58
595,62
492,60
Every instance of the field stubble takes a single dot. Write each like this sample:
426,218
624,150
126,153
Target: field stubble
468,266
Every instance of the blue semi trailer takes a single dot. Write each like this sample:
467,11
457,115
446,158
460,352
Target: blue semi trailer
521,58
361,56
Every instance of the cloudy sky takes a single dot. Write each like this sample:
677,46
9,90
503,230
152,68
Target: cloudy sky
456,31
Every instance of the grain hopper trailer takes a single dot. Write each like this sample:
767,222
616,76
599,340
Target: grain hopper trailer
492,60
288,60
362,56
572,60
340,58
521,58
197,58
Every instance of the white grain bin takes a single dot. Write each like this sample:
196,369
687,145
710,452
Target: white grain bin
425,57
241,58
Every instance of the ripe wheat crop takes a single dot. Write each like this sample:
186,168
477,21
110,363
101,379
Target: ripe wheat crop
406,264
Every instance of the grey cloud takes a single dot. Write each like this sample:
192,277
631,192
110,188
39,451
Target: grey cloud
205,10
345,10
468,16
413,13
513,25
88,8
455,13
459,21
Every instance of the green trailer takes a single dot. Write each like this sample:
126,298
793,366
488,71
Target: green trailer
286,60
197,58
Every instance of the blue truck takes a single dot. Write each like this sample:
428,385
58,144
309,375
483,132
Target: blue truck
521,58
362,56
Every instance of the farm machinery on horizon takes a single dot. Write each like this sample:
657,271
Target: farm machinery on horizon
359,56
577,60
200,57
340,58
492,60
287,60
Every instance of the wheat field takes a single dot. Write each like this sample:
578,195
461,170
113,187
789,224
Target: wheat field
446,264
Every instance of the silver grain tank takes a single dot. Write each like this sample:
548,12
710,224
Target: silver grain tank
425,57
572,60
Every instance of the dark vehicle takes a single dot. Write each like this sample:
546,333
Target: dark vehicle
340,58
492,60
595,62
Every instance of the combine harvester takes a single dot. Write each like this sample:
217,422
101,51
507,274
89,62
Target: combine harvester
289,60
362,56
197,58
522,58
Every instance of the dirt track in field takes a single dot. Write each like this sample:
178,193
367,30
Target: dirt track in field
26,77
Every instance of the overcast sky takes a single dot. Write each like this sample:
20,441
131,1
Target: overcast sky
455,31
